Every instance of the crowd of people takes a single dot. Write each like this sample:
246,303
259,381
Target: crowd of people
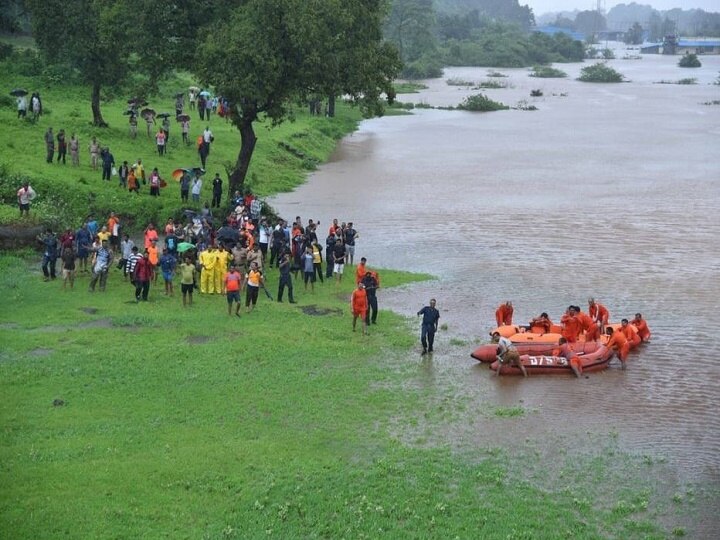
229,256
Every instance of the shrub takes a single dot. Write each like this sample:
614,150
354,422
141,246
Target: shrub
547,72
689,61
536,93
689,80
600,73
493,84
495,74
481,103
459,82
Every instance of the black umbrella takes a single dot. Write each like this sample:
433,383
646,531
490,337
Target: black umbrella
163,115
148,112
179,95
19,92
182,117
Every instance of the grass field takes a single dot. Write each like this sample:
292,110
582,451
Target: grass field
150,420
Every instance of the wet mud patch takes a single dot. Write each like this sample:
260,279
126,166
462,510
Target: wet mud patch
41,351
89,310
9,326
97,323
199,340
316,311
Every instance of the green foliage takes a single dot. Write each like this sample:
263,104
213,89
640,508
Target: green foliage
408,87
509,412
608,54
690,60
601,73
455,81
481,103
634,35
688,80
547,72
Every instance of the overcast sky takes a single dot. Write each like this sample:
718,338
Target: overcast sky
542,6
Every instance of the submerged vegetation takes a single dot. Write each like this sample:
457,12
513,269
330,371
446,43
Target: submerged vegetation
600,73
547,72
689,60
481,103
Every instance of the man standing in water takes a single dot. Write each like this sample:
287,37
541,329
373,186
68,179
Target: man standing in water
507,354
431,316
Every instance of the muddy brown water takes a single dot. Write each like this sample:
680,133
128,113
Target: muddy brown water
610,191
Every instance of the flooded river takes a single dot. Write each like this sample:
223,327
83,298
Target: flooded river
610,191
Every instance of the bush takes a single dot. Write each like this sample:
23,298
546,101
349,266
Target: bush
6,50
600,73
547,72
689,80
459,82
481,103
689,61
536,93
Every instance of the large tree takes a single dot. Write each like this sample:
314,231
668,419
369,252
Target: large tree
266,53
92,36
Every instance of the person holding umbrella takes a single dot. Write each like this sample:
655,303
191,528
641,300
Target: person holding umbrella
160,141
149,116
192,95
165,125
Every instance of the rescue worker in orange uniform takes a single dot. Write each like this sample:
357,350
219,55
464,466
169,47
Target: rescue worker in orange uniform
631,333
565,351
360,270
504,313
541,325
619,343
358,306
571,325
592,332
600,315
642,327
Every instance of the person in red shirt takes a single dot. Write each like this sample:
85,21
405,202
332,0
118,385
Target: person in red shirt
358,306
631,333
571,325
142,276
504,313
233,286
642,327
619,343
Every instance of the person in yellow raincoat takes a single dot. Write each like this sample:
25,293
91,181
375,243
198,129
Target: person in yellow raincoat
208,261
222,256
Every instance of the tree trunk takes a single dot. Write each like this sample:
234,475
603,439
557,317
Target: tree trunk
247,146
331,106
97,115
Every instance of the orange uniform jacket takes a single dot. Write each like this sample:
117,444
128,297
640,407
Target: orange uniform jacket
642,328
598,312
571,327
359,302
503,314
631,334
619,342
540,326
359,273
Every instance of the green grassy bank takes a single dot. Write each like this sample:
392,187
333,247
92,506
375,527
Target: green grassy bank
124,420
67,194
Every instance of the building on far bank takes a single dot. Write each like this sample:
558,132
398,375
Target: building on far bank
684,46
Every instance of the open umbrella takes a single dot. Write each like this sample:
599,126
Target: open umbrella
177,174
194,88
18,92
179,95
139,102
204,93
182,117
148,112
163,115
184,246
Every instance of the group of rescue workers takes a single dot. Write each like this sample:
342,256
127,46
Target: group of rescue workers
574,324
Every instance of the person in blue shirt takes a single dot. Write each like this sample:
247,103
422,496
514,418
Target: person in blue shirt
167,266
431,316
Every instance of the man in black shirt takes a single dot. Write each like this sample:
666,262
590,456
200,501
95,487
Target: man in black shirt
339,258
371,285
431,316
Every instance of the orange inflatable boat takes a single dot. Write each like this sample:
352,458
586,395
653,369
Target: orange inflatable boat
486,353
596,358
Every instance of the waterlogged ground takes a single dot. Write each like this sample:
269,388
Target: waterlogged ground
606,190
